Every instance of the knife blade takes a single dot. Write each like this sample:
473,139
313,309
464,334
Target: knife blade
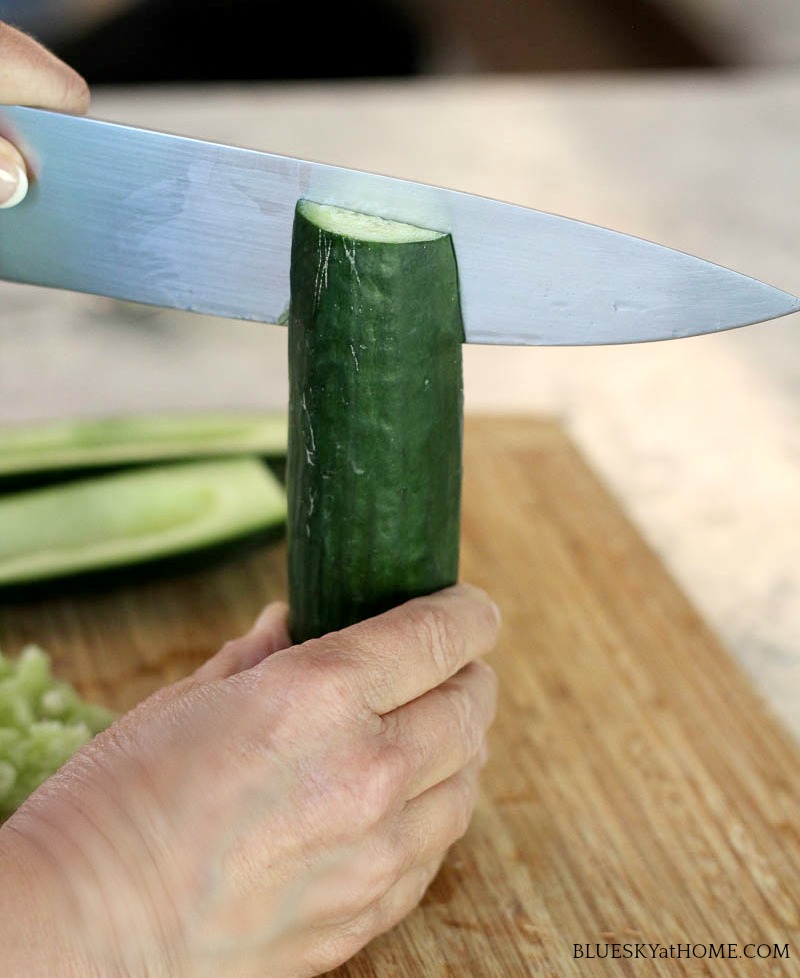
169,221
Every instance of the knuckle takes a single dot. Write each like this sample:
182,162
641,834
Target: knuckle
400,901
376,791
371,874
466,719
75,92
398,767
353,791
330,676
380,875
440,636
318,676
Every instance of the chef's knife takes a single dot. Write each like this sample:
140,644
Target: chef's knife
169,221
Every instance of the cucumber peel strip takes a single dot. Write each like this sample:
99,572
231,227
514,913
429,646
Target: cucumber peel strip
55,446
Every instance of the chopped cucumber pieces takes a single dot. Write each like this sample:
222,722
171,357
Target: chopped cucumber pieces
43,721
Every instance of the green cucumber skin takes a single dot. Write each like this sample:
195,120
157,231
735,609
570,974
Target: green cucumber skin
375,426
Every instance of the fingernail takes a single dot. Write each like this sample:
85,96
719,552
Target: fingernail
13,184
463,588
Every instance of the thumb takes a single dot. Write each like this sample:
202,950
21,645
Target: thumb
269,634
13,175
31,75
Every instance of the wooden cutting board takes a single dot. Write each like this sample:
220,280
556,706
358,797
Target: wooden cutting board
638,791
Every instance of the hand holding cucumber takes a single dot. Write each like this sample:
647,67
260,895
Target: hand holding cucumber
30,75
270,814
266,816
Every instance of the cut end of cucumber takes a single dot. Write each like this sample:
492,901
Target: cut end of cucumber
363,227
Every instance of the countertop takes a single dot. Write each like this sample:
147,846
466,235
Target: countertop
699,439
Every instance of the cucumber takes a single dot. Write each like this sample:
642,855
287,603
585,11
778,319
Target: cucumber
43,721
53,450
140,517
375,417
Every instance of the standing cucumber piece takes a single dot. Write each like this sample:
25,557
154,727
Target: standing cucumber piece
375,417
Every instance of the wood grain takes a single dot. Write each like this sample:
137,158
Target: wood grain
638,791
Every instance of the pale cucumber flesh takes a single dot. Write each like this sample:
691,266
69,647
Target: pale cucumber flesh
363,227
134,516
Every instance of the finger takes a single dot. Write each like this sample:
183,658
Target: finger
429,824
31,75
332,945
269,634
13,176
395,657
421,831
442,730
403,897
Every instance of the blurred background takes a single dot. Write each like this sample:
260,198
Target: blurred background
139,41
